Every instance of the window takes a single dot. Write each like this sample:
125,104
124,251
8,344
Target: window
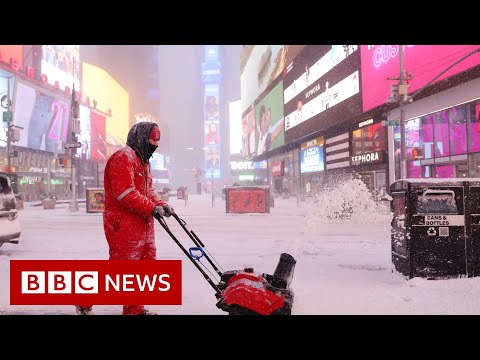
458,129
442,136
369,139
475,127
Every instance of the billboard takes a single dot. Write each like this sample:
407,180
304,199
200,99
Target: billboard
5,78
312,156
249,136
259,66
423,62
58,64
8,52
312,159
269,120
321,88
97,137
44,118
98,84
211,134
85,133
235,121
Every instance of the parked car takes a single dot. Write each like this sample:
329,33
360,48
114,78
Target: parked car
9,223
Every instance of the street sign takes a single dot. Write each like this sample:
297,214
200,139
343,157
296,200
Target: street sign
391,123
8,117
73,145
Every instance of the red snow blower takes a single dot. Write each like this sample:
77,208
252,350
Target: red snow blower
243,292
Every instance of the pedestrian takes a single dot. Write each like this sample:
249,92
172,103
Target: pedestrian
131,204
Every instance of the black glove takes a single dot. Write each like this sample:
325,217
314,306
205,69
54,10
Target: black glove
168,210
158,212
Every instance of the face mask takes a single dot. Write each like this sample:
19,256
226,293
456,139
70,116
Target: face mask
151,150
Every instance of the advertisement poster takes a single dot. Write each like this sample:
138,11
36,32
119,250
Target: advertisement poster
269,120
312,159
95,200
44,119
97,137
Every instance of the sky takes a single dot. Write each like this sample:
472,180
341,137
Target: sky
343,267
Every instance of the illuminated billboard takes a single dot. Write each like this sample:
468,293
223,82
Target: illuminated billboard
43,117
423,62
235,121
85,133
60,63
259,66
211,131
270,121
9,52
321,89
312,156
98,141
110,95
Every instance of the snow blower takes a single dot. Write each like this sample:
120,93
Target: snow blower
243,292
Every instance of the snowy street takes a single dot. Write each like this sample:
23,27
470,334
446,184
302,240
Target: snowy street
343,267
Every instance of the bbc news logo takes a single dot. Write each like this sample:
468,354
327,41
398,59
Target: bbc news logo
99,282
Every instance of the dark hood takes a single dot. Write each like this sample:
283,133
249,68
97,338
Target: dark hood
138,137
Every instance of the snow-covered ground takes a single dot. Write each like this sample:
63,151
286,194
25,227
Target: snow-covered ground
343,266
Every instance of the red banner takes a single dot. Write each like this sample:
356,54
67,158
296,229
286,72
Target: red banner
99,282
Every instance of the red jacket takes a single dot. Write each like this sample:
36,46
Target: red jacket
129,202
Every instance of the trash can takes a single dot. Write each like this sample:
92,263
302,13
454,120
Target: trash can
435,231
180,192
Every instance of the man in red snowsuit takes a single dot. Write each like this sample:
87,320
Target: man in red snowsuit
131,203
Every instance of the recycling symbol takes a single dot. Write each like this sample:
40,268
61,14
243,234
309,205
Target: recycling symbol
431,231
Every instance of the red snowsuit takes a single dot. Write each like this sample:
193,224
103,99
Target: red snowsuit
129,202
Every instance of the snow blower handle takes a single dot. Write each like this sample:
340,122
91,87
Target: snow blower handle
196,241
162,222
196,257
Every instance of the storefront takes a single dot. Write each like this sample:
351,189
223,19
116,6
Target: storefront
284,173
442,135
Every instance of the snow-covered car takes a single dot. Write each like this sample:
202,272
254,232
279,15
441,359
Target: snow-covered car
9,223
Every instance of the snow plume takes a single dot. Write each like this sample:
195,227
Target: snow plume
346,201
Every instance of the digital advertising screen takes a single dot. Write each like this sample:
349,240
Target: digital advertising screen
97,137
212,162
58,64
259,66
85,133
235,121
270,121
44,118
321,89
423,62
312,160
101,86
211,102
5,78
249,134
211,134
12,52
